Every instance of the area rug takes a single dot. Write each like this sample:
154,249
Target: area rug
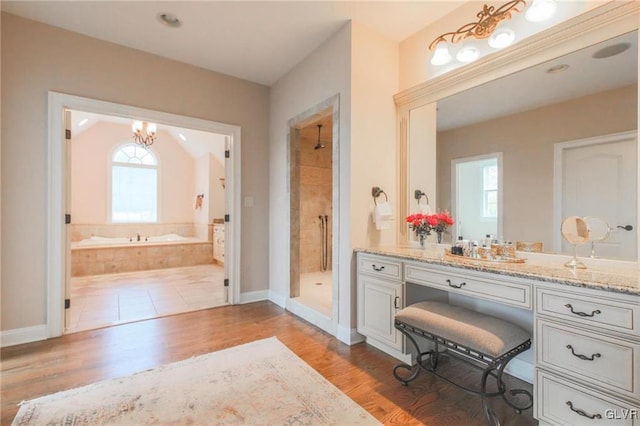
258,383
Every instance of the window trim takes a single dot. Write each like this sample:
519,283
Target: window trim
110,164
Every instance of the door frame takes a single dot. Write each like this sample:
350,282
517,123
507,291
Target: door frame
301,120
58,175
558,165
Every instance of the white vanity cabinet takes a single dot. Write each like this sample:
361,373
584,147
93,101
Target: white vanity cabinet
218,243
380,296
586,334
587,357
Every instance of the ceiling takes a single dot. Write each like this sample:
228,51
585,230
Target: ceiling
258,41
196,143
534,87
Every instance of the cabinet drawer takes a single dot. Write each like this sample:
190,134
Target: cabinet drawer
556,397
379,266
507,293
610,314
605,362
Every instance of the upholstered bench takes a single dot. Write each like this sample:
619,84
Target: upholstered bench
483,341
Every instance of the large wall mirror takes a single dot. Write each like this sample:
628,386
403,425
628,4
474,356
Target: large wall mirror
565,131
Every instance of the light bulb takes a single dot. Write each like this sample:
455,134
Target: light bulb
136,126
502,38
467,54
540,10
151,128
441,56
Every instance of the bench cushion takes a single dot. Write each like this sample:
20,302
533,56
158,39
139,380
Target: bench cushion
476,331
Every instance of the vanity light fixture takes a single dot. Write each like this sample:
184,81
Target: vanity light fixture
488,19
144,133
486,27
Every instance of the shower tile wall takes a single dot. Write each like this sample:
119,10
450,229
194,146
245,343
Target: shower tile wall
315,199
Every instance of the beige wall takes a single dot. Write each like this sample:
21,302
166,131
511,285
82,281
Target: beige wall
322,75
91,154
374,76
527,142
37,58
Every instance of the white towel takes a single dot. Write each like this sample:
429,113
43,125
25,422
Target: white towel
382,216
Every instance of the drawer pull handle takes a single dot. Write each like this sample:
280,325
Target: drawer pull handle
395,302
582,314
582,413
583,357
375,268
455,286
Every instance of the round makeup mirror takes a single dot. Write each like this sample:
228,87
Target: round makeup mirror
599,230
574,229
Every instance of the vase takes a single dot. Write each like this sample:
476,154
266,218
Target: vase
439,236
422,236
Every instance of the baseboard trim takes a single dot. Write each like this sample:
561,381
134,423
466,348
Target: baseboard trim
254,296
349,335
23,335
523,370
278,299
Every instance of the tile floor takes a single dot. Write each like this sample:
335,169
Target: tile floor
316,291
103,300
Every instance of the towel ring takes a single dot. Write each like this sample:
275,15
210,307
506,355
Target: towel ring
419,194
375,192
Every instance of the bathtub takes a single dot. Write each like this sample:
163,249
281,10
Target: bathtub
106,255
94,241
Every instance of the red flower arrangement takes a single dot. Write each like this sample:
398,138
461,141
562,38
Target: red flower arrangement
425,223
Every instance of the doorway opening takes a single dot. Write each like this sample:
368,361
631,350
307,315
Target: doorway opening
143,225
313,147
145,229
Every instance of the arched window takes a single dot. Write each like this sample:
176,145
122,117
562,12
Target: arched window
134,185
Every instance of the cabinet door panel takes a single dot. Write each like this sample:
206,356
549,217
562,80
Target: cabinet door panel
377,302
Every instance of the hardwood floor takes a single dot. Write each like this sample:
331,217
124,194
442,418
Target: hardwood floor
361,371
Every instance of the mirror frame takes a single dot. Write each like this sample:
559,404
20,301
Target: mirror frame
601,23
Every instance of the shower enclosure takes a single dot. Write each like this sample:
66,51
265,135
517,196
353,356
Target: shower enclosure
311,216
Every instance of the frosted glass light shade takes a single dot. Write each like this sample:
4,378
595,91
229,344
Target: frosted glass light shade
540,10
467,54
441,56
502,38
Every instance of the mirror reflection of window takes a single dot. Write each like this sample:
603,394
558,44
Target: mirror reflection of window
476,195
490,190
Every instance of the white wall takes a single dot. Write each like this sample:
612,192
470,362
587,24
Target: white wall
38,58
322,75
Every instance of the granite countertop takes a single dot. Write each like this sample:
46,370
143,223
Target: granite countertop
627,282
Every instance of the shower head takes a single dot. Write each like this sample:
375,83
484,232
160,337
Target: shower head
319,145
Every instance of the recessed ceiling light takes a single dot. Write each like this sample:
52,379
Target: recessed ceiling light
609,51
558,69
169,19
182,137
83,122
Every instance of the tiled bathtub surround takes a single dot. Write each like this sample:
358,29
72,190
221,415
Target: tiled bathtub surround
116,259
83,231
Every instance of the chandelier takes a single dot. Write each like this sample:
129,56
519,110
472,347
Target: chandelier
485,28
144,133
